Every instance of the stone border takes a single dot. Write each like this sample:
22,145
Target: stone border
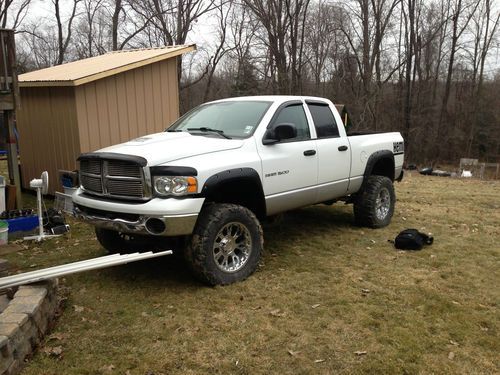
24,322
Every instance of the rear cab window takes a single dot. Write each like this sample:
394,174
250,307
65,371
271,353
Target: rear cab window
324,122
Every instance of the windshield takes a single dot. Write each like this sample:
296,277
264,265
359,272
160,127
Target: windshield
232,119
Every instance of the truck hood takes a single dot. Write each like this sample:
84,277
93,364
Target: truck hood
166,147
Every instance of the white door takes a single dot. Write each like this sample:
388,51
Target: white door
290,167
334,153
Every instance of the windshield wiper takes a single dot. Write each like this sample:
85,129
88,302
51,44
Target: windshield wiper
210,130
174,130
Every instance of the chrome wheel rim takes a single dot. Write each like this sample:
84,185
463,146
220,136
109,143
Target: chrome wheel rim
232,247
383,204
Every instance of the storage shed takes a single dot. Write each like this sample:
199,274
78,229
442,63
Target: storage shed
89,104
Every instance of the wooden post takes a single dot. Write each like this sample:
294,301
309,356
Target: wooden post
9,101
15,179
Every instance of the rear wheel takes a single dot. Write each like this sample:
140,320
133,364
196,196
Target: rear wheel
226,244
374,205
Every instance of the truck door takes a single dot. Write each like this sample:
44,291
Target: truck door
334,154
290,167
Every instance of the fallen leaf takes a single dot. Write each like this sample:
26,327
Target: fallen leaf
106,369
55,351
360,352
277,313
78,309
144,314
292,353
316,305
365,291
455,302
57,336
319,360
453,343
451,355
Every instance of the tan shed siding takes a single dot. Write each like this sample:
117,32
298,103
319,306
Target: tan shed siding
127,105
48,136
173,90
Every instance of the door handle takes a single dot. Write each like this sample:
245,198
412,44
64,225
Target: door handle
309,152
343,148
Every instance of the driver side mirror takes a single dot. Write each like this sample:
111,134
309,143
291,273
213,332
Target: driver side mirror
279,132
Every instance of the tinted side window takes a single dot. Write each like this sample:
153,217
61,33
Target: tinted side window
323,121
294,114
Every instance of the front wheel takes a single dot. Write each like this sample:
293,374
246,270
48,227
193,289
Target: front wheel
226,244
374,205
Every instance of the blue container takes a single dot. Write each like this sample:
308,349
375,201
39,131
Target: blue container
27,223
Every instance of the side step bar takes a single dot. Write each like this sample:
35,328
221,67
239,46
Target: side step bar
76,267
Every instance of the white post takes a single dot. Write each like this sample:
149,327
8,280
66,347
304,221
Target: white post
40,213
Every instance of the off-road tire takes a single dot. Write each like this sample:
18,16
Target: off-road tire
365,204
199,253
116,242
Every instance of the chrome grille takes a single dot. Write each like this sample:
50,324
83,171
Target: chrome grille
125,188
92,166
113,178
91,183
124,169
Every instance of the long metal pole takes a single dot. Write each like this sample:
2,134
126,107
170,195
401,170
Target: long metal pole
76,267
68,267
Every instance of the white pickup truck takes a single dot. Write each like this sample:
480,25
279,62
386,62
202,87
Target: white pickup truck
224,166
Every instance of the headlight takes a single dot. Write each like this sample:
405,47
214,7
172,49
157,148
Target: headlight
175,185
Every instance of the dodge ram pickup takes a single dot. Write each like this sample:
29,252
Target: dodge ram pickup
220,169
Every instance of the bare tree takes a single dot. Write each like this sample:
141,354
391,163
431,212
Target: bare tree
486,25
284,25
16,10
64,40
460,21
221,49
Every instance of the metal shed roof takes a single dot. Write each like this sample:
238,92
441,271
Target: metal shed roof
87,70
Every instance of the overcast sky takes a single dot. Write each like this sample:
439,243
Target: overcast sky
204,29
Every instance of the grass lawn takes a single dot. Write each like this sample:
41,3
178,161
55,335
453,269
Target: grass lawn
327,298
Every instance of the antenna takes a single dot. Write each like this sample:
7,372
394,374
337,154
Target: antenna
41,185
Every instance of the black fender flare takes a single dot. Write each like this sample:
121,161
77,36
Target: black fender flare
231,175
376,157
247,176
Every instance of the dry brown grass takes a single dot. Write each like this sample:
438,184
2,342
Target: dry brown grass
407,310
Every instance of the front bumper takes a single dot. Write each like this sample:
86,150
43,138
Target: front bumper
159,217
